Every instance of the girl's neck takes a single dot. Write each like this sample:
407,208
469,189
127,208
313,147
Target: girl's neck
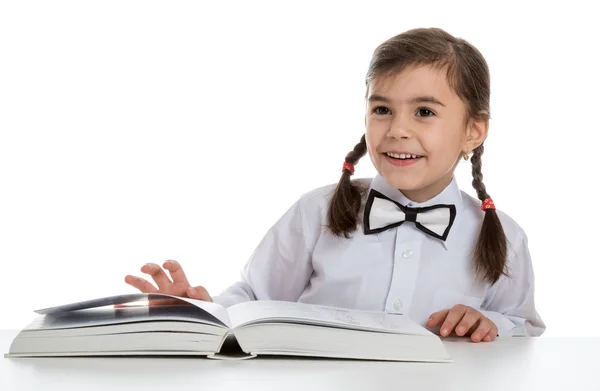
426,193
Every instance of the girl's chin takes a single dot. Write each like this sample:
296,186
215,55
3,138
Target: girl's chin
403,181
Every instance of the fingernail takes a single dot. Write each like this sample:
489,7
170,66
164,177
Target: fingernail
193,291
444,331
460,329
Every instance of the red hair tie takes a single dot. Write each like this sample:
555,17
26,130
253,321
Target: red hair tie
349,167
487,204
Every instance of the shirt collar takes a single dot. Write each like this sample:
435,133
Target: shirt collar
450,195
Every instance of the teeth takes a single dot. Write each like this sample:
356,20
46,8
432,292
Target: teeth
402,155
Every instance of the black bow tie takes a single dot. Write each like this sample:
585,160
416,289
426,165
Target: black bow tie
382,213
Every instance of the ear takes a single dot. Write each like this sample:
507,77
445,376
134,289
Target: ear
477,132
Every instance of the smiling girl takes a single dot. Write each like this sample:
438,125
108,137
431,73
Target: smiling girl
409,240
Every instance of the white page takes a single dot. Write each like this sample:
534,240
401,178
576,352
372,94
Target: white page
91,317
216,310
291,312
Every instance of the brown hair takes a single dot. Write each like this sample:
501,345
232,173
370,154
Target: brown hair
468,76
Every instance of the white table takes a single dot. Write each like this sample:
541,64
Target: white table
571,364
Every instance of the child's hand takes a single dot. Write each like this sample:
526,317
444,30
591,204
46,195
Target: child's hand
467,321
178,287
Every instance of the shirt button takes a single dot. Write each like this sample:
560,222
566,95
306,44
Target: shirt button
407,254
397,305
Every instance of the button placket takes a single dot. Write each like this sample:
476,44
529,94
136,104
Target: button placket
403,282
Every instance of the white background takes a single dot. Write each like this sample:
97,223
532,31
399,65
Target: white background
140,131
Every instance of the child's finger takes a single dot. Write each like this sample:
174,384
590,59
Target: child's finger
158,275
469,319
198,293
141,284
437,318
454,316
485,325
176,272
491,335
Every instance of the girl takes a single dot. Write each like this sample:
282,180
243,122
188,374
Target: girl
409,240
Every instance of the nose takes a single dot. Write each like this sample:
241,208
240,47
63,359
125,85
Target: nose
400,128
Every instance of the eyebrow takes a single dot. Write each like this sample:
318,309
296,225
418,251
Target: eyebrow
416,99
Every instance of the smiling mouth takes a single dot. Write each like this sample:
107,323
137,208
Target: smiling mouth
402,156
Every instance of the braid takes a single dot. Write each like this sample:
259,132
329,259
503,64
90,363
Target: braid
477,175
342,214
490,250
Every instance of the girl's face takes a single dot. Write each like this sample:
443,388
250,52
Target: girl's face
416,113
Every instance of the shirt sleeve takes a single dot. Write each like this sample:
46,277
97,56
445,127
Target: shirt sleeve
510,304
280,267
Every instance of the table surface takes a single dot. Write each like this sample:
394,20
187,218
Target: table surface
508,364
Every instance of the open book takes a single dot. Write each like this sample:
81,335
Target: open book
192,327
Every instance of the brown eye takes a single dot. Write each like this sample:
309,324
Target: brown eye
381,110
424,112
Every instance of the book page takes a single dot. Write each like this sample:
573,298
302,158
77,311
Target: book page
216,311
101,316
290,312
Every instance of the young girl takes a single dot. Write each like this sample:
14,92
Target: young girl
409,240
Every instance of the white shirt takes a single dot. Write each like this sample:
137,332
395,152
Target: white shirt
401,270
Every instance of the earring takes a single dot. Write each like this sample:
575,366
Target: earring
466,156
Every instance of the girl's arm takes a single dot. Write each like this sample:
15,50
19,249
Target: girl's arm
280,267
510,302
